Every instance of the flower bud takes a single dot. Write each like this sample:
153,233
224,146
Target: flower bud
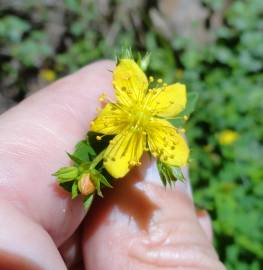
66,174
85,185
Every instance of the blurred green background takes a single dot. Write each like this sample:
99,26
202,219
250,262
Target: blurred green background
214,46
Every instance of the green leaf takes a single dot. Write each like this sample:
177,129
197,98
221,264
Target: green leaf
74,158
83,151
74,190
88,201
192,99
66,174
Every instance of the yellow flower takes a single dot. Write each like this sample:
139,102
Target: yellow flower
47,75
227,136
138,121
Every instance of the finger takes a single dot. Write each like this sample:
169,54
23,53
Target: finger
23,243
71,249
34,137
141,225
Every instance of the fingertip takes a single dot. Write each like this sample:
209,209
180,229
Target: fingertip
205,223
23,243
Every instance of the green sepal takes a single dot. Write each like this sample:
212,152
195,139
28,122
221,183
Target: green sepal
88,201
74,190
66,174
104,181
169,174
177,171
124,53
99,180
144,61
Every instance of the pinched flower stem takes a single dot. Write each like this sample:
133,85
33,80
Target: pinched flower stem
97,160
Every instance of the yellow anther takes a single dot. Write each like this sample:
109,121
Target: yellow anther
154,154
133,163
185,117
151,78
182,130
159,80
102,97
98,138
165,85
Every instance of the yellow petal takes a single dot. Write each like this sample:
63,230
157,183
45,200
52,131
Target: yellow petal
123,152
165,143
111,120
129,81
168,101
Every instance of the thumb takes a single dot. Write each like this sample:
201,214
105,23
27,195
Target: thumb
142,225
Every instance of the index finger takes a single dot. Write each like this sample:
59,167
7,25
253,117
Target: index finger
34,137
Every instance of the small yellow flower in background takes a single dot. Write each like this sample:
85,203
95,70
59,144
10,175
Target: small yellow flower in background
227,137
47,75
138,121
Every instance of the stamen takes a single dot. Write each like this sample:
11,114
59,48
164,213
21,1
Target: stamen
102,97
185,117
154,154
159,80
151,79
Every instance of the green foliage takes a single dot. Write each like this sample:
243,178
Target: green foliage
225,73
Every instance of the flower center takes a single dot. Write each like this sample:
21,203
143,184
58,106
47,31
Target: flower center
139,117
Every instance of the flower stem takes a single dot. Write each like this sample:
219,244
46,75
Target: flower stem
97,160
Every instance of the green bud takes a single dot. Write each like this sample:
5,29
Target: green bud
66,174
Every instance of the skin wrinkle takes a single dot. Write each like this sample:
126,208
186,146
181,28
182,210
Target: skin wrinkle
183,255
174,228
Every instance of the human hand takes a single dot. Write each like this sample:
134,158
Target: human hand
138,225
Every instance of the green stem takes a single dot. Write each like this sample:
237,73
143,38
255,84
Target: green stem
97,160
